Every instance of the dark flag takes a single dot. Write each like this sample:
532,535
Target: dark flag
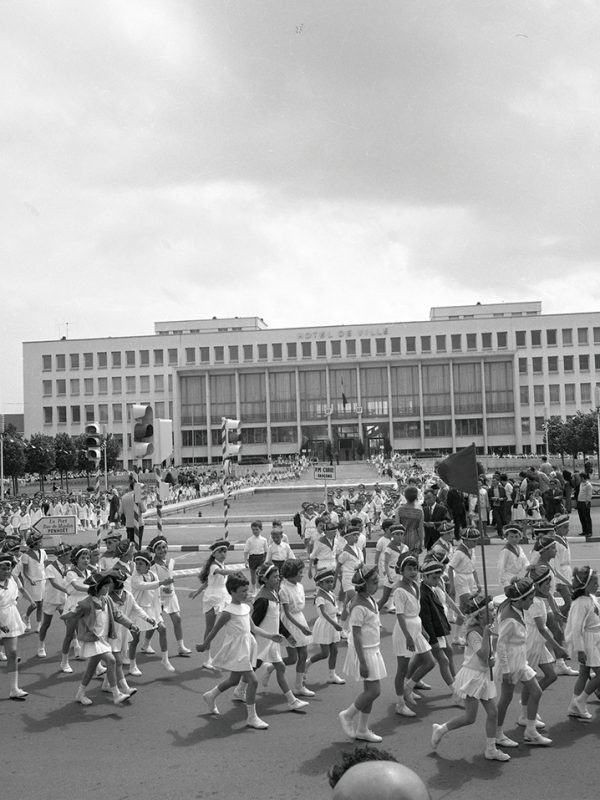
460,470
344,398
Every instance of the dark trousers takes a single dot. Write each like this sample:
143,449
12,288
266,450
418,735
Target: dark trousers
499,519
131,536
583,509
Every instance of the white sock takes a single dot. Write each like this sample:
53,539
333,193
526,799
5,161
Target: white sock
363,722
251,710
332,674
13,681
490,744
164,657
443,729
290,696
213,692
299,680
132,663
350,712
115,690
409,685
583,697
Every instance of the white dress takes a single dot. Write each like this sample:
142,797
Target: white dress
238,653
582,631
168,595
74,575
406,603
473,678
145,591
511,565
511,651
100,629
35,581
269,650
392,554
215,597
537,651
292,595
323,631
350,560
9,613
464,567
366,617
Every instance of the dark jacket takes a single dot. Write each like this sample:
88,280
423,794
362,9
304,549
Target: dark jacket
433,617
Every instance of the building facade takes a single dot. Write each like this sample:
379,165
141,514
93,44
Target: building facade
489,374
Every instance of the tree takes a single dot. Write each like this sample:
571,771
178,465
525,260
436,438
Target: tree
14,458
40,456
584,431
83,465
65,455
558,437
113,451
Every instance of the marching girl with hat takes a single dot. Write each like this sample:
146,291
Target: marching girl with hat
433,617
511,662
464,582
327,628
109,558
55,592
473,684
11,544
33,563
391,554
411,648
364,661
11,624
238,653
213,576
512,562
349,560
96,616
77,589
145,589
582,634
169,600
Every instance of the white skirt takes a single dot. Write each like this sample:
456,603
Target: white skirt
170,602
591,647
100,646
374,660
268,651
464,584
11,619
474,683
414,628
300,638
324,632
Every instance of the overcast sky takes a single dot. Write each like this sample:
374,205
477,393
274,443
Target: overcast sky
310,162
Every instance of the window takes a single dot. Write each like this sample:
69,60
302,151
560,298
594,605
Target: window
569,392
190,355
536,364
524,395
395,344
117,412
262,352
47,415
144,358
116,359
502,340
47,388
130,358
204,355
219,354
536,338
88,386
596,335
586,393
74,387
597,362
568,363
144,384
520,338
75,415
306,350
172,356
469,427
321,349
88,361
277,352
552,363
551,338
350,347
254,435
74,359
407,430
582,336
60,362
438,427
440,344
486,341
336,348
102,385
159,410
522,366
456,342
284,435
46,363
170,386
159,383
539,424
365,347
248,354
103,413
525,425
234,353
61,387
102,360
471,341
117,386
567,336
426,344
130,384
411,345
584,363
292,350
380,347
89,413
159,358
538,394
554,391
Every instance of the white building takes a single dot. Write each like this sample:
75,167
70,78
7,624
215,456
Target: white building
485,373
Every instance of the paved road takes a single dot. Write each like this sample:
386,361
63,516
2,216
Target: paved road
163,744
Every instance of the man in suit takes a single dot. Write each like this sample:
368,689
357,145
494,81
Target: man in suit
497,495
433,514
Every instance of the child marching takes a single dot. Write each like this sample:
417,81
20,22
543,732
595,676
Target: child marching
11,623
582,635
327,628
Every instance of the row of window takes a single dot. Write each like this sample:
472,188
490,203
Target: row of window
118,359
133,384
287,434
540,396
553,364
552,335
77,415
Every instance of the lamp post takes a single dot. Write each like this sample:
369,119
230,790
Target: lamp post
546,425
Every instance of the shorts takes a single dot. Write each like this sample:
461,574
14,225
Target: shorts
52,608
254,561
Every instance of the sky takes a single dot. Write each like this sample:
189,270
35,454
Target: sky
313,162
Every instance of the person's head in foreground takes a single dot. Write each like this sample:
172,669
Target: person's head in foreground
368,773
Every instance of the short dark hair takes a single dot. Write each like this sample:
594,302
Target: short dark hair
357,756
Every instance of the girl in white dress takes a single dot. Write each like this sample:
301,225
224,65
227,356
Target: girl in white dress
583,637
363,661
512,562
238,652
539,638
473,684
391,554
170,602
511,662
327,629
33,565
562,560
411,648
55,592
145,588
464,582
77,589
348,561
11,624
291,597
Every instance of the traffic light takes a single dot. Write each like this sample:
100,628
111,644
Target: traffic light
93,444
142,418
231,437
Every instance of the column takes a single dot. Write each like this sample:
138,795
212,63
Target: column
298,424
517,405
208,419
359,402
268,409
329,403
390,408
421,408
484,408
452,407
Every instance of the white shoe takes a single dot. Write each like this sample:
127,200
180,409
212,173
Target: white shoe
436,735
168,666
126,661
258,723
209,666
27,624
522,722
537,739
211,703
136,671
297,705
148,649
347,725
577,711
66,668
77,651
304,692
41,651
82,698
336,679
18,694
565,669
184,651
404,711
239,694
100,670
120,698
368,736
504,741
493,754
